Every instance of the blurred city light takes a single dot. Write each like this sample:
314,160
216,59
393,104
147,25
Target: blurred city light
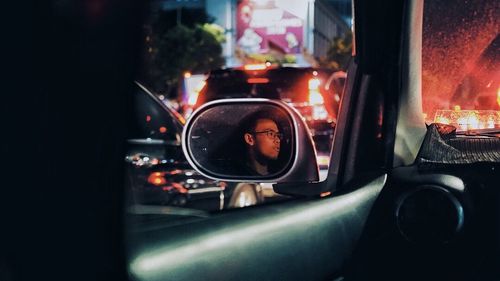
255,67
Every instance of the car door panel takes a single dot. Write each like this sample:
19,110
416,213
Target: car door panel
308,239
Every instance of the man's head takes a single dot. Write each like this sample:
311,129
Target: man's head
263,139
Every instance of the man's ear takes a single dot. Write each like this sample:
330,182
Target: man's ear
249,139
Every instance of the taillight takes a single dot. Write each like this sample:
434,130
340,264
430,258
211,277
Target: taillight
315,97
257,80
157,179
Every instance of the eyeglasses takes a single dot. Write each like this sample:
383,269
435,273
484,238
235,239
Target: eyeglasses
271,134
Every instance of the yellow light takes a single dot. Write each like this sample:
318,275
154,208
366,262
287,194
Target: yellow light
187,74
457,107
498,96
323,160
315,96
442,120
157,179
469,119
255,67
324,194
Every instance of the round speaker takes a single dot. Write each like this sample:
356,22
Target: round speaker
429,214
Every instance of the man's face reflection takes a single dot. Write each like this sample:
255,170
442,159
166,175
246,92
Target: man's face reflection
267,139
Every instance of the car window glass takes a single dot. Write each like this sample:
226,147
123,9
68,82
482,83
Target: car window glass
153,121
460,84
189,50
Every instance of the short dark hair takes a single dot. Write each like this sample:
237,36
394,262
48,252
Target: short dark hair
249,123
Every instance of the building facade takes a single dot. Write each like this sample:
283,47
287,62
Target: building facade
297,29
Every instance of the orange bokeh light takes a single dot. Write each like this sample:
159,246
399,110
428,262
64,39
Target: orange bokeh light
157,179
498,96
257,80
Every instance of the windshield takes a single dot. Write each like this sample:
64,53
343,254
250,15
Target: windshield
194,52
460,64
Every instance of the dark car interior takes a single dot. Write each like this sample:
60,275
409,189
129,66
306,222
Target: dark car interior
387,216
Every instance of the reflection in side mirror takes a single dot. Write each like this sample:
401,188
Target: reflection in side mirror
249,139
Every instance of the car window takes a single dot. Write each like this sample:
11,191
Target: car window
198,51
460,84
152,120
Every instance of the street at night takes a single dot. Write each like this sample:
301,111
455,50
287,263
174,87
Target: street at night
343,140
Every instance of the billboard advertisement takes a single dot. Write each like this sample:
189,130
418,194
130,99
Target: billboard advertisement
263,25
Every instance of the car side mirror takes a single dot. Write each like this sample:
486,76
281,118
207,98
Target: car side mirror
257,140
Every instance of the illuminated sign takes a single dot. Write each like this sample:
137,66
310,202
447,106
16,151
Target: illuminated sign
263,26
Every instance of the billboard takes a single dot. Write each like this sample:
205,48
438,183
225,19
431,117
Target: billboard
262,25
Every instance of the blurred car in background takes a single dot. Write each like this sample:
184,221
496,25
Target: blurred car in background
159,174
302,87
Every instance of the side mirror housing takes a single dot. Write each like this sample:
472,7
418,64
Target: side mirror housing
256,140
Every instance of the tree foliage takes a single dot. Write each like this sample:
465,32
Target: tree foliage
187,49
339,53
194,45
216,30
